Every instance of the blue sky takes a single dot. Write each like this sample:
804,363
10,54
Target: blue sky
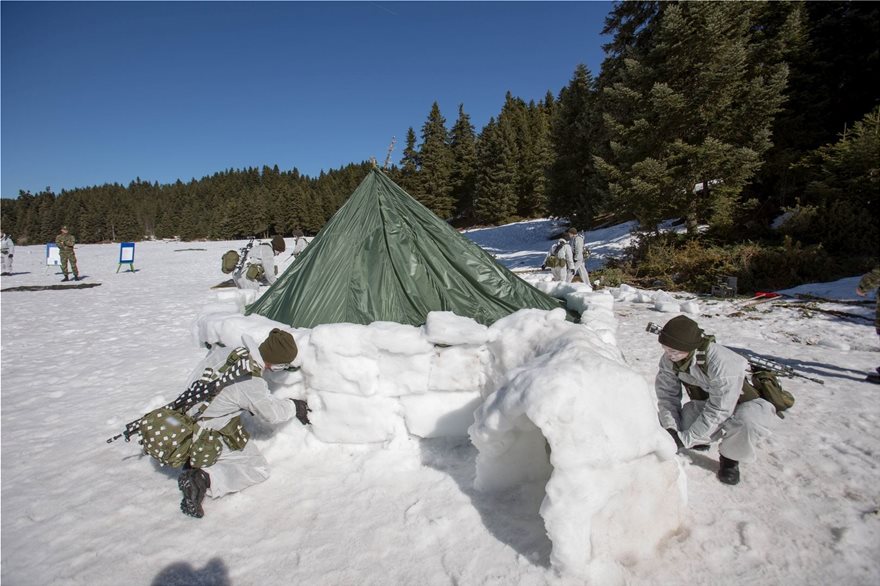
108,91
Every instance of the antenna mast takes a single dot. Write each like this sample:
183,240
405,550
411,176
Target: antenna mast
388,156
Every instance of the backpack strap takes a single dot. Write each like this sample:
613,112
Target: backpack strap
748,391
239,366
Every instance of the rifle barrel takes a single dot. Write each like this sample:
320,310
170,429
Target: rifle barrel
758,361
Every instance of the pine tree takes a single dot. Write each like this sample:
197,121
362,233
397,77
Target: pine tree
536,160
574,186
843,190
408,176
435,156
495,198
689,116
834,66
514,116
462,179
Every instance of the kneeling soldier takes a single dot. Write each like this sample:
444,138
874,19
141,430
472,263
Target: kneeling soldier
239,468
723,404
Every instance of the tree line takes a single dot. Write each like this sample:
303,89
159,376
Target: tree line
723,114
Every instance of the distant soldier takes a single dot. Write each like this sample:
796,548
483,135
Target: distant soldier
559,259
871,282
299,243
7,247
65,244
258,267
579,253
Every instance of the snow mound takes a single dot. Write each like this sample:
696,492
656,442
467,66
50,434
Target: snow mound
529,385
615,488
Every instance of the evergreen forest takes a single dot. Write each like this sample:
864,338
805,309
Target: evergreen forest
728,115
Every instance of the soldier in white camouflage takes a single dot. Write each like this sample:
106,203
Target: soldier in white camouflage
871,282
65,242
243,466
7,250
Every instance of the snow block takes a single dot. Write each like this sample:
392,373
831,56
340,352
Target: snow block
448,329
338,418
458,369
440,414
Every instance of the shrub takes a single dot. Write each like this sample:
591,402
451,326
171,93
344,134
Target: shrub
682,263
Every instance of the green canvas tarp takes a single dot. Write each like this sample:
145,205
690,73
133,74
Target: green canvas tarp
385,257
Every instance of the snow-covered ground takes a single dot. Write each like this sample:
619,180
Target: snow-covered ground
78,364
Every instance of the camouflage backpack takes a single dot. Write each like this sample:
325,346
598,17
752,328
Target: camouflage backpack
767,385
255,272
229,261
555,261
174,438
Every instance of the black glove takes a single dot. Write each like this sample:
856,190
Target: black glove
543,267
302,411
675,437
10,256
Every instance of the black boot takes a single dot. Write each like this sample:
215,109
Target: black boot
65,279
728,472
193,483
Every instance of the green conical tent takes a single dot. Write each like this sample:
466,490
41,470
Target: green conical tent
385,257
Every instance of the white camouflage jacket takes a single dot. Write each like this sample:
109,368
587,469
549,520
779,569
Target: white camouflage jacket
6,245
724,381
251,395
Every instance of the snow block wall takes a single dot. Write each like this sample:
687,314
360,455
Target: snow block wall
374,383
543,400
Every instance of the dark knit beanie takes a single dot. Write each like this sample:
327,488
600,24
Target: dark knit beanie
681,333
278,244
279,347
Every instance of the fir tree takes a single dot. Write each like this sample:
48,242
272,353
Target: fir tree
842,193
574,189
536,160
408,176
462,179
495,197
689,116
435,156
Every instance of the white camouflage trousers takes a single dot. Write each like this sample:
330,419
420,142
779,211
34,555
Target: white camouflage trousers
751,423
237,470
580,269
6,261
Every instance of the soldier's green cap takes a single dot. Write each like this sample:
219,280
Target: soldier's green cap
681,333
278,348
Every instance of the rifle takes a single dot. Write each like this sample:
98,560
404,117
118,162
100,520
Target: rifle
243,254
237,368
756,362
